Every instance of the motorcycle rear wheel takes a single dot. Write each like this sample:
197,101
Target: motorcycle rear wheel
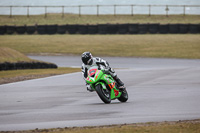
103,94
124,96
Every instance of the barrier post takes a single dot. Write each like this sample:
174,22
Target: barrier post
167,9
10,11
79,11
45,11
97,10
28,11
149,10
131,10
114,10
63,10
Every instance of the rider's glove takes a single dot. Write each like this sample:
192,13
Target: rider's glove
107,69
89,88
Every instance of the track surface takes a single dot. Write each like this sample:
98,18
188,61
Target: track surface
159,90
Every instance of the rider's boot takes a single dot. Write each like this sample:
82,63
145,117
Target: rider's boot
119,82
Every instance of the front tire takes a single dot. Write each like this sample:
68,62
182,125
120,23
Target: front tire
124,96
103,94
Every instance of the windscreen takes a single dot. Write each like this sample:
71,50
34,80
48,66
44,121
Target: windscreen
92,72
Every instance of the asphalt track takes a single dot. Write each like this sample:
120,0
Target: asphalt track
159,90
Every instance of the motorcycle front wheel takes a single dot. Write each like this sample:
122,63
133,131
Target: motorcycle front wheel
103,94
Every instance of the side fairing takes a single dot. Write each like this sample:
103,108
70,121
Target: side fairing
111,83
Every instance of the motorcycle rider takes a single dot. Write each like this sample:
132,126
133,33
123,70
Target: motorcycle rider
89,61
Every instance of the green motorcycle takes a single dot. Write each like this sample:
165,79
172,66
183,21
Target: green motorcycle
105,86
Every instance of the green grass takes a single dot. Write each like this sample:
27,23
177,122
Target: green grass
159,46
93,19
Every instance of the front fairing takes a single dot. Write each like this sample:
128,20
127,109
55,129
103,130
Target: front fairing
94,78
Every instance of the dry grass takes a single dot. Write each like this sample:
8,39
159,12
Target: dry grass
162,127
20,75
167,46
11,55
28,72
93,19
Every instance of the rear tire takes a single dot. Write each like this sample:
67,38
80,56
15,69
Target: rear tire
124,96
103,94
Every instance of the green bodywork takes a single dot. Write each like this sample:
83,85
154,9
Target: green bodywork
105,80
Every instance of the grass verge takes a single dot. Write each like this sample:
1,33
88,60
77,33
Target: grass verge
152,127
20,75
93,19
159,46
11,55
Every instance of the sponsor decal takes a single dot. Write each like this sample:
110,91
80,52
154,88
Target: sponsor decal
112,85
107,79
116,92
89,79
97,74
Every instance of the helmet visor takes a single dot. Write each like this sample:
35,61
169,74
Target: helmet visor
90,61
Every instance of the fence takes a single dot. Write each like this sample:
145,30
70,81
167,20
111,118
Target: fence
103,29
102,9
